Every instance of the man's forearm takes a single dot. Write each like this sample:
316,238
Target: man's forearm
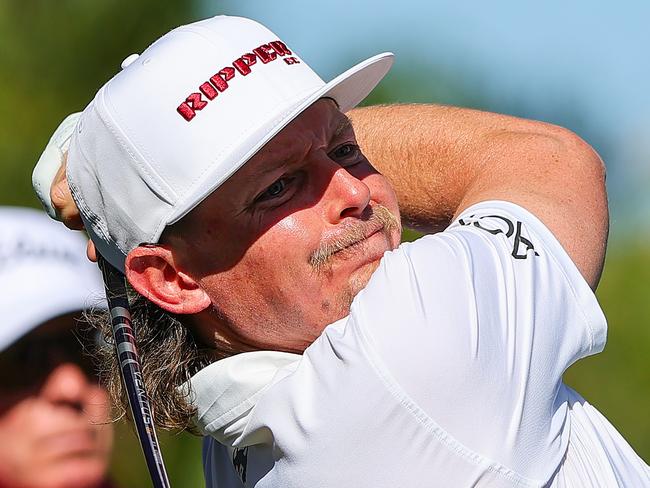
442,159
432,154
423,151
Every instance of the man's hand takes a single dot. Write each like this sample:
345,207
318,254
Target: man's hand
65,208
50,182
61,199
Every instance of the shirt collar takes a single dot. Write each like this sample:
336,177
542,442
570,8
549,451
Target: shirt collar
226,391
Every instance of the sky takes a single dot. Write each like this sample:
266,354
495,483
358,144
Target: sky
583,64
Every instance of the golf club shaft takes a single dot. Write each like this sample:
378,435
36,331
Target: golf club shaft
130,369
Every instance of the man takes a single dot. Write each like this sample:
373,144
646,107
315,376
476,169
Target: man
223,177
54,430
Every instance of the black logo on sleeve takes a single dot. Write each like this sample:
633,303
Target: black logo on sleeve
512,230
240,462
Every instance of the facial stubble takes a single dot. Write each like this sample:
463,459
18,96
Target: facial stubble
351,242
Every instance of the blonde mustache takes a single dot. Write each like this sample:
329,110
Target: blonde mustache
381,218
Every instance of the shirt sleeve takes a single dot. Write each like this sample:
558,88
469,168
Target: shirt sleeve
478,323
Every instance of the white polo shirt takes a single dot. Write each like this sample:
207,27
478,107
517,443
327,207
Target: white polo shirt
447,373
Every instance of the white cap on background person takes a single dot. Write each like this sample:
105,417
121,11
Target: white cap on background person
44,272
181,118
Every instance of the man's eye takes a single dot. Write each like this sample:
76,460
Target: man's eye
346,151
276,189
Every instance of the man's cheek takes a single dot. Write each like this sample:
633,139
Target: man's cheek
293,224
296,236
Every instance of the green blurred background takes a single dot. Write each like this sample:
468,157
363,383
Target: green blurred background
55,54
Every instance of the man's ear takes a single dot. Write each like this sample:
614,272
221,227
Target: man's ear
153,274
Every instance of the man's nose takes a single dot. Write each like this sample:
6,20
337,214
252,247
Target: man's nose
66,384
348,196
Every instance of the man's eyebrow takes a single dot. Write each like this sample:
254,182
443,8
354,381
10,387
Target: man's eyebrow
344,125
270,168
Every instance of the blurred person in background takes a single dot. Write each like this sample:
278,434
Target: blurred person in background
54,418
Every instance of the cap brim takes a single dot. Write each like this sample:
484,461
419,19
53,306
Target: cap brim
348,90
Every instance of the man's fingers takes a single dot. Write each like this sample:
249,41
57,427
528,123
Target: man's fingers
49,163
65,207
91,252
61,198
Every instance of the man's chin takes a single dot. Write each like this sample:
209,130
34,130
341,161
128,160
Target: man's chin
372,255
360,278
340,307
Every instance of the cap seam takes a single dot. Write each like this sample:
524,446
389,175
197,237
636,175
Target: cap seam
156,179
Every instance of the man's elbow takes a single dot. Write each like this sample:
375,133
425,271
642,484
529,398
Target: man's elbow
585,156
562,178
579,177
570,155
551,155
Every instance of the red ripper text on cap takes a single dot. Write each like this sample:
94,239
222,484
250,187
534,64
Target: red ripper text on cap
219,81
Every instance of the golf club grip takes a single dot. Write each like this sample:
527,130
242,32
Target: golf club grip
129,363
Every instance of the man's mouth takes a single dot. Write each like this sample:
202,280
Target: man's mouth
351,241
355,245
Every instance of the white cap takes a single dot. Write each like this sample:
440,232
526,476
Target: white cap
182,117
44,272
